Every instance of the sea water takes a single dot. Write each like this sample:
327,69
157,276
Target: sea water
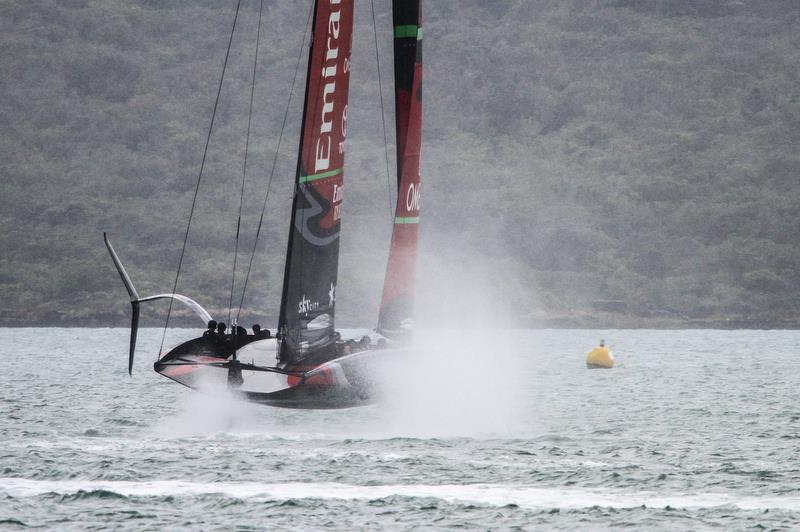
503,429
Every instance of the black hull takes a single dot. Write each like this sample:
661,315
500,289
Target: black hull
349,381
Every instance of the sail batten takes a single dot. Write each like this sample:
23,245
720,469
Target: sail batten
306,320
397,302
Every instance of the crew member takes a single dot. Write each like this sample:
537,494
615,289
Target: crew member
260,334
211,332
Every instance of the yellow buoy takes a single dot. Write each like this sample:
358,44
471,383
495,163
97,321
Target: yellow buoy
600,357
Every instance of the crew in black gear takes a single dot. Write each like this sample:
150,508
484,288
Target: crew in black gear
211,332
259,333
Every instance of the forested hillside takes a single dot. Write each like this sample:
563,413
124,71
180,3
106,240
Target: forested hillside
593,163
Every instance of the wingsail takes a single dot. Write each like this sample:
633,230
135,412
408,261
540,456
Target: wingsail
397,303
306,320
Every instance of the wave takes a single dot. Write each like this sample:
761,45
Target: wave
486,494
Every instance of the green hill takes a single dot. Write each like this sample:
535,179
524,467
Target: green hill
606,163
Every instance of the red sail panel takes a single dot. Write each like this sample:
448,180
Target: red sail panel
309,290
397,305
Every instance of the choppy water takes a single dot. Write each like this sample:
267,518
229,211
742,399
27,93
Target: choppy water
691,430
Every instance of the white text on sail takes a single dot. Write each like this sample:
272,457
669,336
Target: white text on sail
329,68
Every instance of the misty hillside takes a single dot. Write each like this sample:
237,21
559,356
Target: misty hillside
595,163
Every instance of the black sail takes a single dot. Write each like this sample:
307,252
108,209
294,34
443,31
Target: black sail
309,288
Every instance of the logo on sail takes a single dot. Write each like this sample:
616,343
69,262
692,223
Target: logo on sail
332,295
306,305
413,197
338,192
308,219
330,67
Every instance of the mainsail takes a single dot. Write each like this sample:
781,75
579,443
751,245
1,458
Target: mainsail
397,303
309,285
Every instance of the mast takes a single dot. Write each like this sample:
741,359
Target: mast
306,319
397,304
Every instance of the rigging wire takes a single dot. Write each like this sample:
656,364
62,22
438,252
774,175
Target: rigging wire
275,160
244,164
383,113
200,174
